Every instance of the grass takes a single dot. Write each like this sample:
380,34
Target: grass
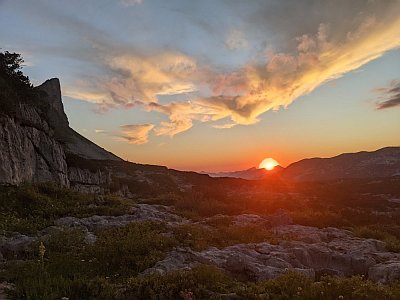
110,268
206,282
390,235
220,235
70,268
203,282
296,286
28,208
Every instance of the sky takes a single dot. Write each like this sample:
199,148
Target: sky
217,85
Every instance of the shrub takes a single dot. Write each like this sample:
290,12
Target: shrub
297,286
379,232
130,249
224,235
29,208
72,269
203,281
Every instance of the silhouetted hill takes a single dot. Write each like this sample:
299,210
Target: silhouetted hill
249,174
384,162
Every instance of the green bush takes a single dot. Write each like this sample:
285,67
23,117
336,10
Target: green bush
128,250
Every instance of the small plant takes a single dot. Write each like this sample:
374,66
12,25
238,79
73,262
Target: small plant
42,251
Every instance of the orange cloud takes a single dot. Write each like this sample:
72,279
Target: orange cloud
136,134
244,94
134,78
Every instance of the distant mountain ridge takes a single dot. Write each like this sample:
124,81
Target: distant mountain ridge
381,163
249,174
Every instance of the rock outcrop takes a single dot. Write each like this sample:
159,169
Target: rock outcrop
17,244
73,142
35,141
140,213
308,250
55,113
86,181
29,151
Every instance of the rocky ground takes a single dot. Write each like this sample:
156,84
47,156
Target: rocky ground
309,250
315,252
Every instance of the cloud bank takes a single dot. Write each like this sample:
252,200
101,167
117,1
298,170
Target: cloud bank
324,48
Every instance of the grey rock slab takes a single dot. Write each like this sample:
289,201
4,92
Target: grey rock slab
315,252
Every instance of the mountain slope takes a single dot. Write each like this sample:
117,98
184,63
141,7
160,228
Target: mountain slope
384,162
74,142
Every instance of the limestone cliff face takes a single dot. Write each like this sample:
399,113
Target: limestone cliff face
87,181
28,150
37,145
72,141
35,141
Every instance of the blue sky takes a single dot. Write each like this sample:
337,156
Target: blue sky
217,85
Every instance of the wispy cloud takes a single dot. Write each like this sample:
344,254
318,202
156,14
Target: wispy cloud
133,78
131,2
244,95
236,40
343,37
389,96
224,126
136,134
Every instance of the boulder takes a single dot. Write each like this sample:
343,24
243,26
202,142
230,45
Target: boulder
141,212
385,272
16,244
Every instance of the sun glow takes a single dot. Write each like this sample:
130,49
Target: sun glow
268,164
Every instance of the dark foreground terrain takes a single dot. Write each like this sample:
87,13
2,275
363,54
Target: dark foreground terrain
258,240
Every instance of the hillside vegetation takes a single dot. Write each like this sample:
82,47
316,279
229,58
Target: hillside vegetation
64,265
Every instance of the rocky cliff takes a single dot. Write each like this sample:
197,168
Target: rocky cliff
29,151
37,145
34,143
72,141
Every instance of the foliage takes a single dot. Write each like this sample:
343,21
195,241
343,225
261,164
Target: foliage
29,208
220,236
73,269
206,282
390,235
130,249
203,281
10,67
297,286
15,87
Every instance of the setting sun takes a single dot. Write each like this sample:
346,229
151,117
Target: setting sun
268,164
